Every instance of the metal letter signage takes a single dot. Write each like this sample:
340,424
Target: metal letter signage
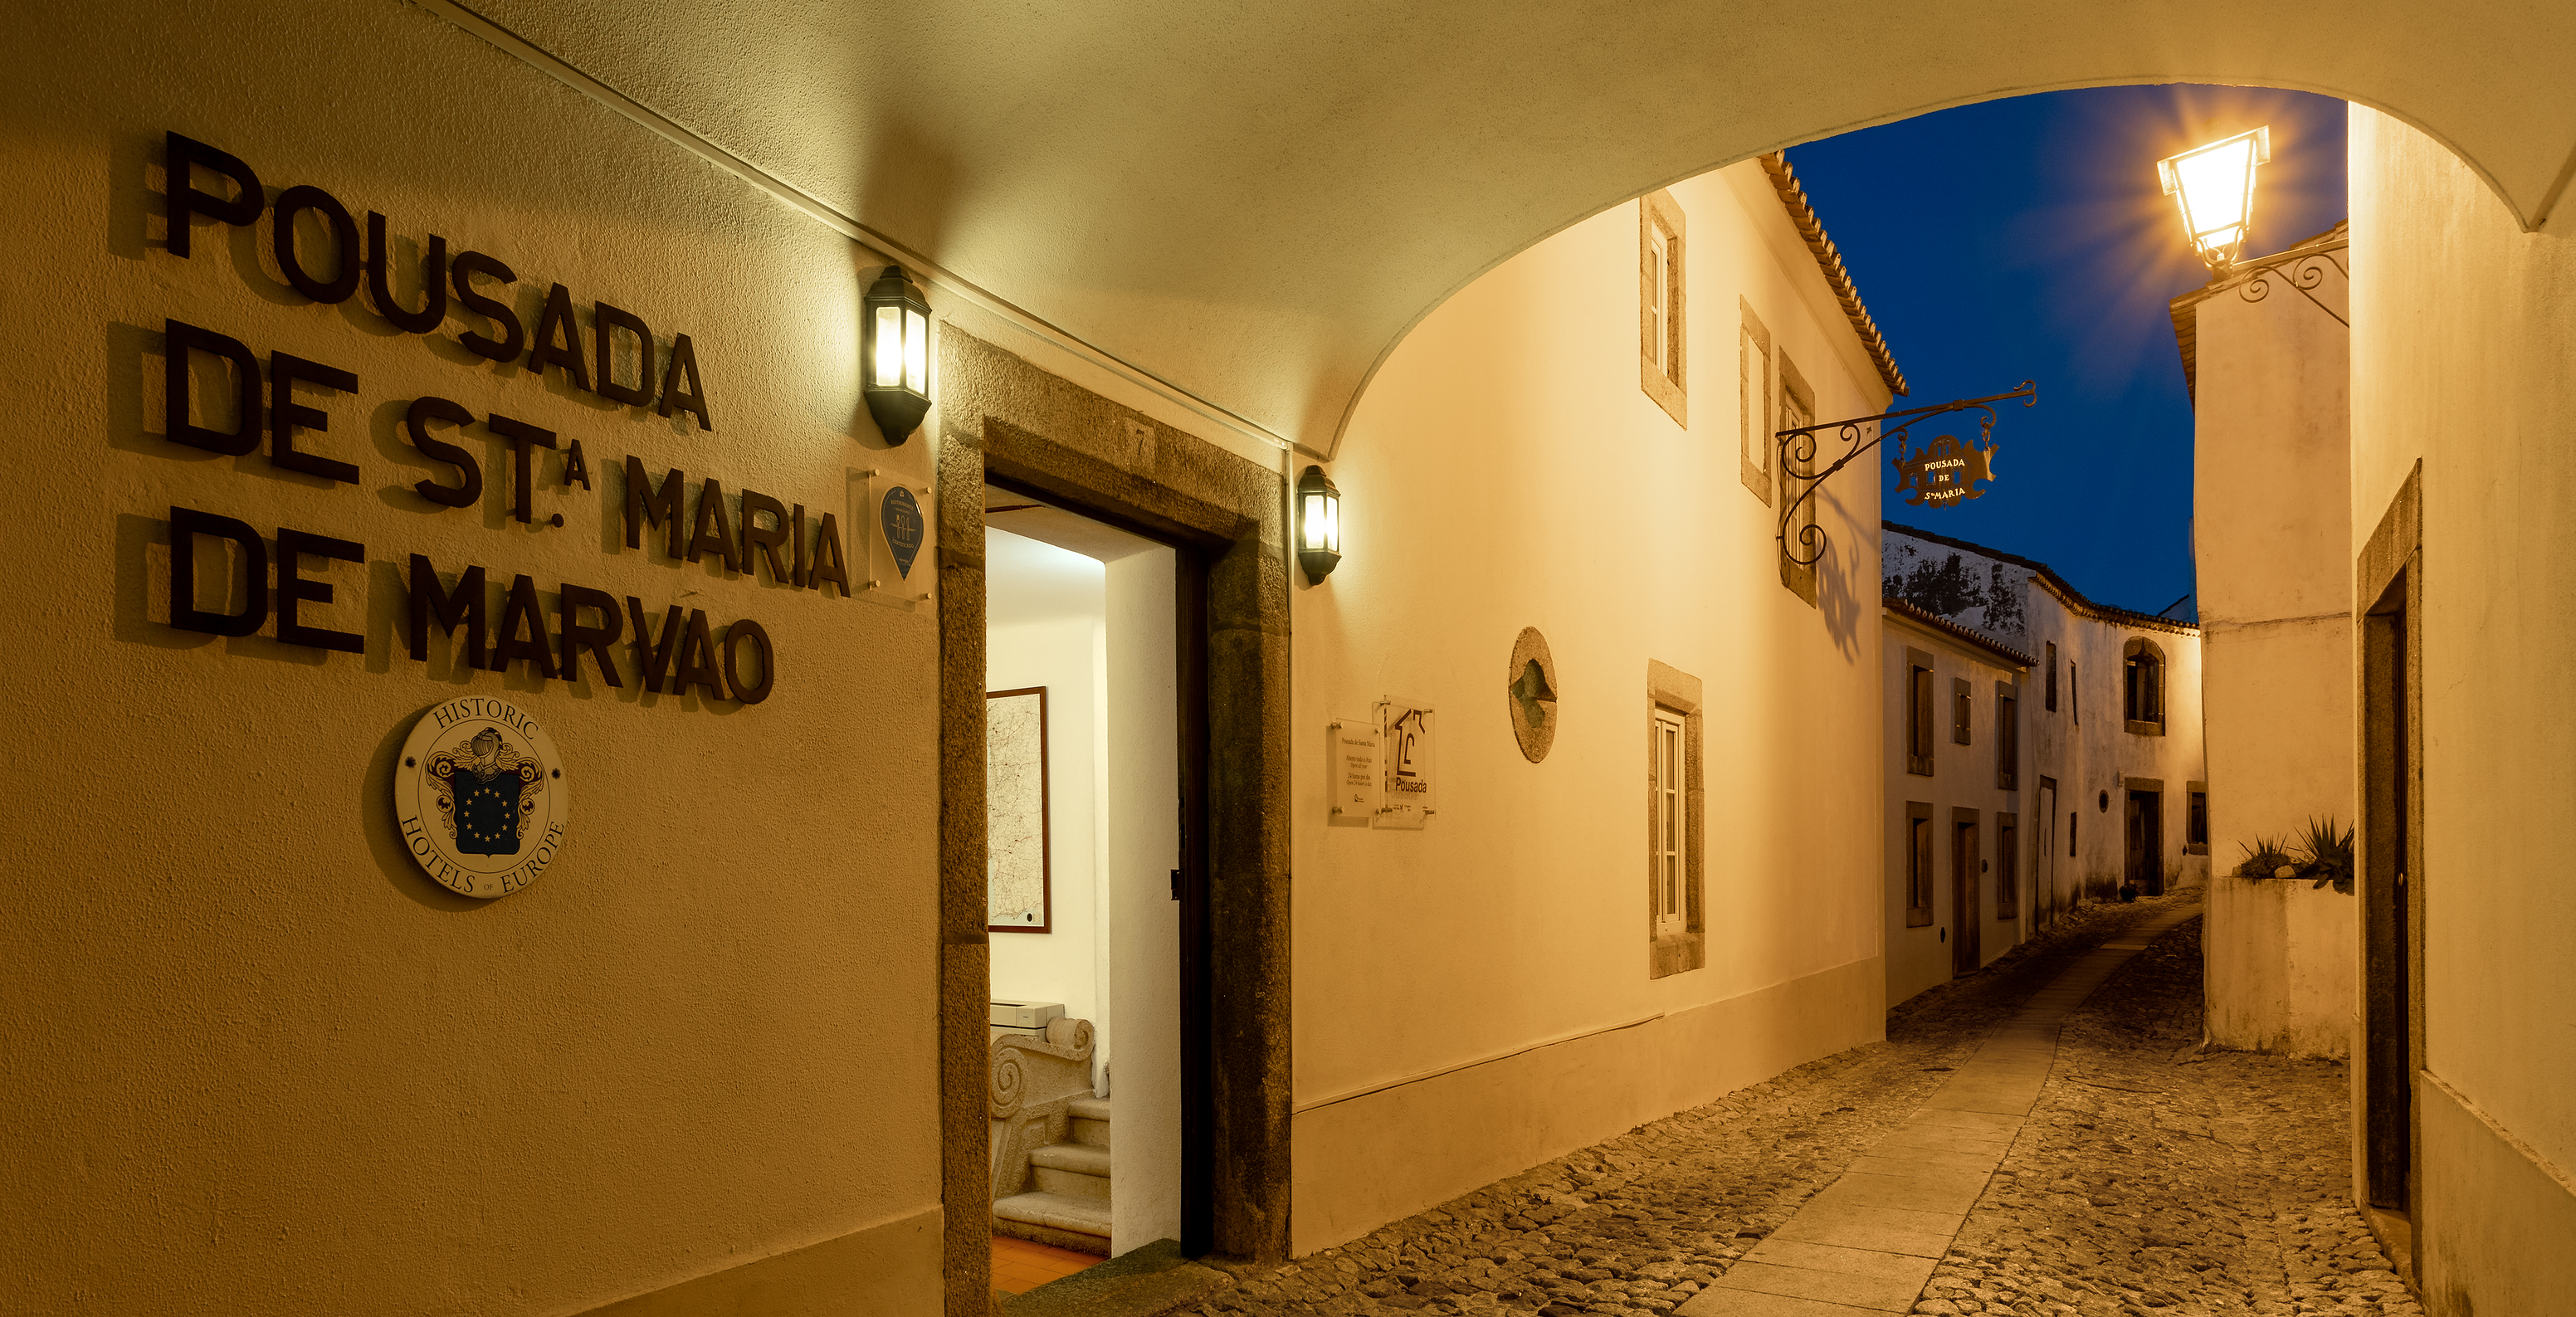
1944,471
480,796
1410,798
901,514
1351,750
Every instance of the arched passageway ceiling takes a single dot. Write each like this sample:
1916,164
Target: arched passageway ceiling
1254,202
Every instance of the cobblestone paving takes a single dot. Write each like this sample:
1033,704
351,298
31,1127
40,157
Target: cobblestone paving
2153,1182
2153,1177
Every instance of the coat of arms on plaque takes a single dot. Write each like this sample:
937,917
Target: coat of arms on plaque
480,797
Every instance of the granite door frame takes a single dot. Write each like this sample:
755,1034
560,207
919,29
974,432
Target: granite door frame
1004,421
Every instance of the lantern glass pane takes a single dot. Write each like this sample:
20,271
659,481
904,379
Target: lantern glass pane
888,340
1313,522
916,352
2214,187
1333,522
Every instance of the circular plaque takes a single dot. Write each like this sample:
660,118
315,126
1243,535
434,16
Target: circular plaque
1531,692
480,796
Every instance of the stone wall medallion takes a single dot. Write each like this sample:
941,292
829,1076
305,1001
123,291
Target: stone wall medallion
1531,693
480,796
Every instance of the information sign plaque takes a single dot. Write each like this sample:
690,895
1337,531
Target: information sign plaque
1351,753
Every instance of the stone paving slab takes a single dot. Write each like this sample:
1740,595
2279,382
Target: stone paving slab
1858,1262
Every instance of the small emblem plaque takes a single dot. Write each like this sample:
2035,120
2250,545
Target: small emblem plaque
900,514
480,797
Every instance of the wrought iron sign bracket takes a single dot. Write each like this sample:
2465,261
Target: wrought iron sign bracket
1798,450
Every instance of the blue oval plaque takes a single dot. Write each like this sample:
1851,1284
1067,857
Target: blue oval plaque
900,514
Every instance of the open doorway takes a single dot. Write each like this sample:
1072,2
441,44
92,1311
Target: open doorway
1084,680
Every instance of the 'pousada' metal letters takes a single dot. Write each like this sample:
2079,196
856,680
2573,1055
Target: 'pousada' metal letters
680,655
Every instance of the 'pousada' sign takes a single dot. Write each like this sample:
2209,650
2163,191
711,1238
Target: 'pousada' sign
619,360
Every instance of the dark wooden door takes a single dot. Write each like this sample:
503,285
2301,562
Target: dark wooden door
2144,867
1966,916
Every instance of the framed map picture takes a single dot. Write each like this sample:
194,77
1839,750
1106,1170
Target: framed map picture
1016,891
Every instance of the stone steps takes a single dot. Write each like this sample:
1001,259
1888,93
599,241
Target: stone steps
1067,1203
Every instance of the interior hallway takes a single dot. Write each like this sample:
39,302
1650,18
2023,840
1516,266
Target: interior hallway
2143,1175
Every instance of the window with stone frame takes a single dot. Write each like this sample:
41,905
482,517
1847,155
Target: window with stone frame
1753,402
1663,321
2142,687
1963,712
2007,737
1676,824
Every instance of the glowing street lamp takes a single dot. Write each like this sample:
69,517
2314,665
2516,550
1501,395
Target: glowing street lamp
2214,185
895,354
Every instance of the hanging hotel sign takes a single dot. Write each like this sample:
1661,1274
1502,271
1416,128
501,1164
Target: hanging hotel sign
480,796
1943,471
1938,473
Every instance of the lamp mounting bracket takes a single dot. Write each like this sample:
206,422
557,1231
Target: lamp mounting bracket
2302,268
1857,435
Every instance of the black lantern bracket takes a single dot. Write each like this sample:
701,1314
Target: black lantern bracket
1798,449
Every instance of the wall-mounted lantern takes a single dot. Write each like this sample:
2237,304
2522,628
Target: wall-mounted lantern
2214,186
1319,524
895,347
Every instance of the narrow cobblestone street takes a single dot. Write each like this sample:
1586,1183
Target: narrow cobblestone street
2147,1177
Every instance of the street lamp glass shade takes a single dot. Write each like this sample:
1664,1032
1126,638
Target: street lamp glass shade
1319,524
2214,186
895,354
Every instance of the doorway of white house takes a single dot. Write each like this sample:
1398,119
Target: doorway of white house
1083,841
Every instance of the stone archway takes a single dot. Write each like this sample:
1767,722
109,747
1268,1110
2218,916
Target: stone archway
1252,211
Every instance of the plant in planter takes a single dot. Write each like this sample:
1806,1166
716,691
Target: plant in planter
2323,853
2329,855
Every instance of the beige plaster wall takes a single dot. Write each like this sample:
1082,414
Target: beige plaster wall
2086,746
258,1061
1963,777
1506,470
2272,539
2463,355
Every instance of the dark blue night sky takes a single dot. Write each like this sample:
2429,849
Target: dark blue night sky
2028,239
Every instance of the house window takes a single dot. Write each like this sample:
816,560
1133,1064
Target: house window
2007,739
1797,468
1753,402
1918,712
2142,687
1962,710
2073,817
1662,307
1671,822
2007,866
2052,676
1675,831
2075,692
1918,864
2195,827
